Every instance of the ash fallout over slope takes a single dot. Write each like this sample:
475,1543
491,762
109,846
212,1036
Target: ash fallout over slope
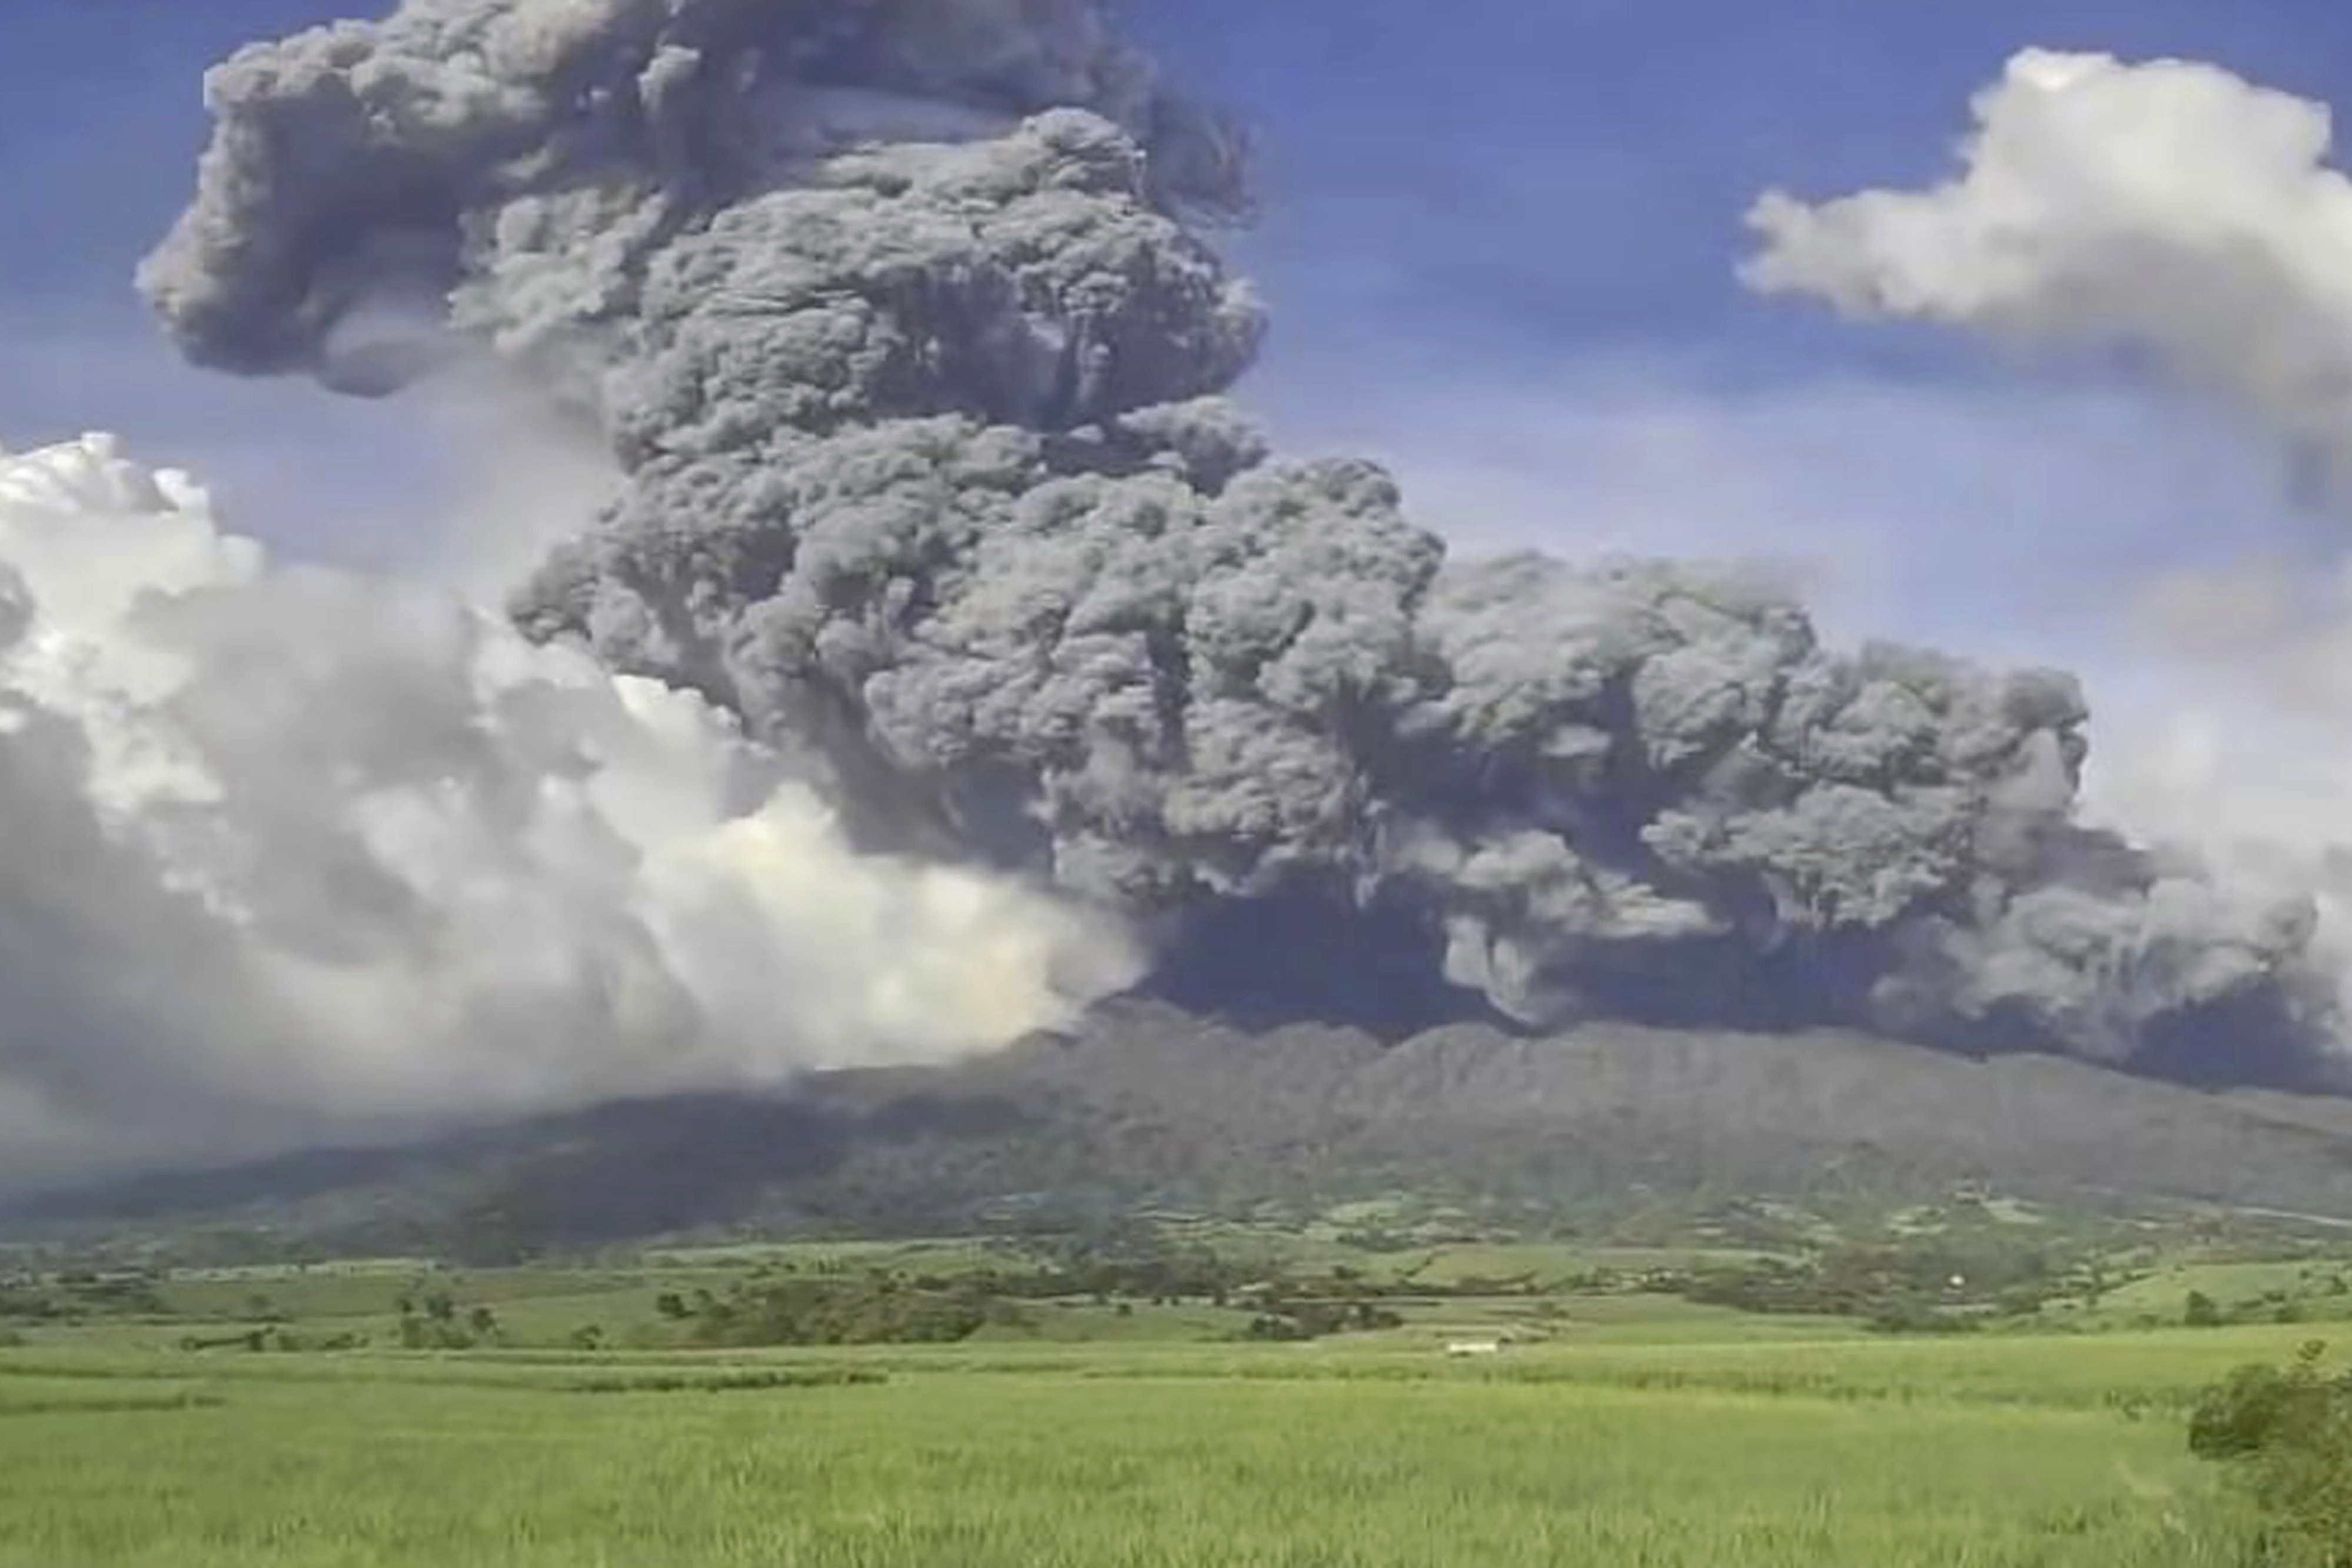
902,328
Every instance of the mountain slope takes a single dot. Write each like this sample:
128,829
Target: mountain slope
1151,1105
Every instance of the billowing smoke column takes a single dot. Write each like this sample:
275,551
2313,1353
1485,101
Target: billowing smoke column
892,318
295,854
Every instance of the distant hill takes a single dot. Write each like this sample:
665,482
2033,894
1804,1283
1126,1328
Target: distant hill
1150,1106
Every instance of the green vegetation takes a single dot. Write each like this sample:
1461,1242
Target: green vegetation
2288,1432
879,1310
1362,1455
1185,1392
73,1296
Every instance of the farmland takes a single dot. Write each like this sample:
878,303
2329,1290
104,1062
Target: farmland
199,1422
1842,1454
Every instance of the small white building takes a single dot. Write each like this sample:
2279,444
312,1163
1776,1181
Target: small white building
1473,1347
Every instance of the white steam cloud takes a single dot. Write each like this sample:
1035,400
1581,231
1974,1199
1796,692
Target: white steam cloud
296,852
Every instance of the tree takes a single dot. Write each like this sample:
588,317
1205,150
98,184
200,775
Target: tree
2096,1285
2288,1434
2201,1311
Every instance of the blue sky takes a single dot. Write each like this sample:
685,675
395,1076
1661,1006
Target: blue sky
1499,241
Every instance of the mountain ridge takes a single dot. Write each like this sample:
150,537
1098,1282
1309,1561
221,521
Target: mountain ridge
1145,1104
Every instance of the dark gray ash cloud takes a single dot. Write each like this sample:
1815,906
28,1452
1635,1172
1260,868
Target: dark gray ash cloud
901,324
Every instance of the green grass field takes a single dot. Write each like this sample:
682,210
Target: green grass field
2007,1450
1617,1426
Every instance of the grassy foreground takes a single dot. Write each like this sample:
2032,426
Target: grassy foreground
2009,1450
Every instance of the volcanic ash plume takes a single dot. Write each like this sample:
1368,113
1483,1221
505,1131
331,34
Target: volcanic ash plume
296,852
893,318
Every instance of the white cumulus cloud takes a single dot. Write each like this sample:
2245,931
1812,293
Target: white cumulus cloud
2169,209
294,852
